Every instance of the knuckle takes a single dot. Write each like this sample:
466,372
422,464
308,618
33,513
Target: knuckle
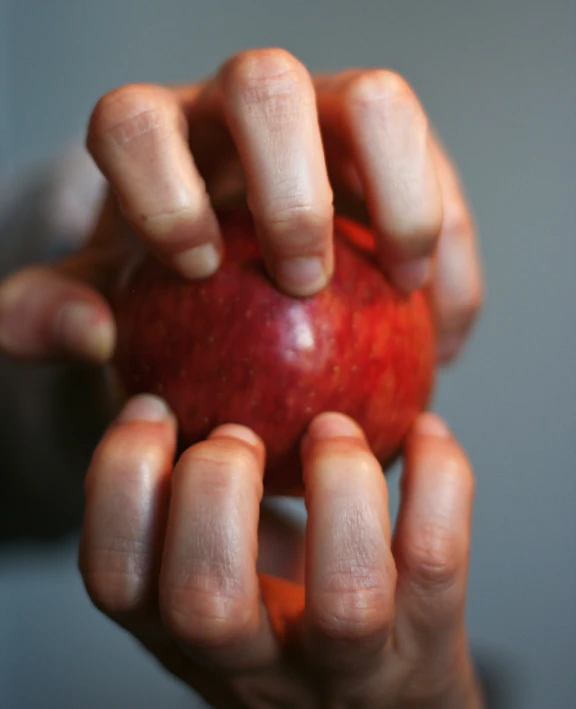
264,75
126,115
297,226
356,603
434,557
116,577
204,613
352,614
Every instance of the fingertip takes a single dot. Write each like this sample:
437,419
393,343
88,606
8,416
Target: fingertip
430,424
449,348
411,275
329,431
245,436
239,432
198,262
45,314
334,425
435,459
302,276
145,407
84,330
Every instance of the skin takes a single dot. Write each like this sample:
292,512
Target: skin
171,554
295,147
373,619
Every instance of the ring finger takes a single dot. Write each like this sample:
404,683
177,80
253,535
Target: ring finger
379,121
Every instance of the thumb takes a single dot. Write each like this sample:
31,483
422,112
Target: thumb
47,312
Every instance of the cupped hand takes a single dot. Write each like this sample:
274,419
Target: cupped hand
293,146
171,554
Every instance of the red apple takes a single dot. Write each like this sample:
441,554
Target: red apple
233,348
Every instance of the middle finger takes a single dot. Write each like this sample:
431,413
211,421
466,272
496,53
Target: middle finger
270,108
209,592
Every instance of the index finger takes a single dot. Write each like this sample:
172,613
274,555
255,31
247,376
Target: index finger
138,136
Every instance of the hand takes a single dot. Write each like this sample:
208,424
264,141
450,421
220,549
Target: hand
171,555
262,130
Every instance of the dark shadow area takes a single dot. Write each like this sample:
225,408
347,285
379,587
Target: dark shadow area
51,417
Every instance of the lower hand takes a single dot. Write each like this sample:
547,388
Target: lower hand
171,555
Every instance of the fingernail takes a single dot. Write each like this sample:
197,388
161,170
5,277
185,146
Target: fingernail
233,430
144,407
448,348
333,425
83,330
411,275
198,262
429,424
301,276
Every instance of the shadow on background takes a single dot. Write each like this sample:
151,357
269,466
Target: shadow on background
502,677
55,418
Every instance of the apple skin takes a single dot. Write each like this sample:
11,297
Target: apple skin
234,349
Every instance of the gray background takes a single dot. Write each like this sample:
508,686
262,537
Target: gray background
498,80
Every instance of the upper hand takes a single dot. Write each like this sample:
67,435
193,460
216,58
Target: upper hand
294,146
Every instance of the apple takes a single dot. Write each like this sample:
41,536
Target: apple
233,348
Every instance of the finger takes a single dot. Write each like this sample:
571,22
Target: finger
138,137
209,593
381,123
45,313
457,288
270,108
350,575
127,492
432,541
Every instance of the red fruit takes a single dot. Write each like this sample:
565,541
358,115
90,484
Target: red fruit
232,348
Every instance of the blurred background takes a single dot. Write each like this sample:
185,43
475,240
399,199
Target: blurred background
497,78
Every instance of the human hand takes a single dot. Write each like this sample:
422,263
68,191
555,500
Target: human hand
171,555
263,130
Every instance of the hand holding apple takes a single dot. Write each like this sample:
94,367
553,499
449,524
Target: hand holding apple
171,157
376,619
263,130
